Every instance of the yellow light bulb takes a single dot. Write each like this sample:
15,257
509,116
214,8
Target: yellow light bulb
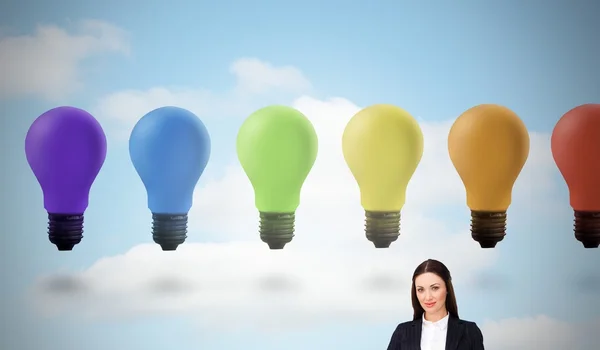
488,145
382,145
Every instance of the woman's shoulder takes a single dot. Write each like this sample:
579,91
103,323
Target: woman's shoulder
472,328
406,324
468,323
473,331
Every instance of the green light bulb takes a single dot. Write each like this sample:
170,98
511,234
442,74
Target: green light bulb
277,147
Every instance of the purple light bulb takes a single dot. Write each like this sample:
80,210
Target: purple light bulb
65,149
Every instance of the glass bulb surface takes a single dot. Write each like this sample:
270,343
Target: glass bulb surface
277,147
488,145
169,148
66,149
575,146
576,150
382,146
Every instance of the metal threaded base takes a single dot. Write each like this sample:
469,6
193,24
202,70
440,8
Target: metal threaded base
277,229
488,228
382,227
587,228
65,231
169,230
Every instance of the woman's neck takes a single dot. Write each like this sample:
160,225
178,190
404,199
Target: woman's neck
434,317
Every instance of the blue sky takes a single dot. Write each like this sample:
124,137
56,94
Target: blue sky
224,61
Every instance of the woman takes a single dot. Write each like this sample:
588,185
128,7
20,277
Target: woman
435,324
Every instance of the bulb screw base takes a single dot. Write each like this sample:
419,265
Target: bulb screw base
587,228
488,227
382,227
169,230
277,229
65,231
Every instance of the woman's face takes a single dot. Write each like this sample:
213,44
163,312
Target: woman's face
431,292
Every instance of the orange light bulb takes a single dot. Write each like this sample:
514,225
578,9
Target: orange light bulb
576,151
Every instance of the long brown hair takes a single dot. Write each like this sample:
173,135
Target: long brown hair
442,272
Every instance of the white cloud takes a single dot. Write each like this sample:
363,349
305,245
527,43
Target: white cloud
244,284
253,80
133,104
47,63
255,76
540,332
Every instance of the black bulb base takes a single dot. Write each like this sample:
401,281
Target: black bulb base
382,227
65,231
169,230
277,229
587,228
488,227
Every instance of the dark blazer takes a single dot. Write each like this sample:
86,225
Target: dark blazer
461,335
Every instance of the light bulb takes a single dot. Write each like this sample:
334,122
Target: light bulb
488,146
65,148
383,146
576,152
277,147
169,148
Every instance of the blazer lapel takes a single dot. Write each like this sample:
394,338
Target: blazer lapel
454,334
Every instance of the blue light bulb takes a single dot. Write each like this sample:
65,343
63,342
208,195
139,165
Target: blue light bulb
169,148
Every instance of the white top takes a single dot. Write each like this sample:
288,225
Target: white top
433,335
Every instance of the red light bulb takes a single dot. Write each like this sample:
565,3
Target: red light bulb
576,151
